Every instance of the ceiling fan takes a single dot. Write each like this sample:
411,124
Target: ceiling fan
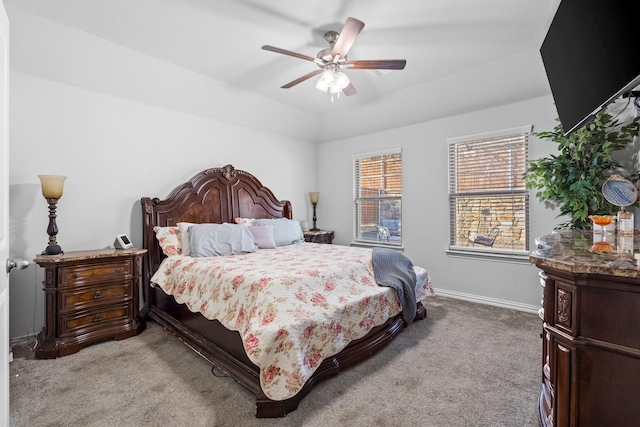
332,60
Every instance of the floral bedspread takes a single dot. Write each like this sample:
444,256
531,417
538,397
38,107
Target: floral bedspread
293,306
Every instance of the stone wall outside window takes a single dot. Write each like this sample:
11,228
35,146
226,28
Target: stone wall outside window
478,215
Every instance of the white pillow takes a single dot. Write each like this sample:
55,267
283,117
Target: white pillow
184,236
285,231
208,240
264,236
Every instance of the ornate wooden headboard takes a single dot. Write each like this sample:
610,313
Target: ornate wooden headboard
214,195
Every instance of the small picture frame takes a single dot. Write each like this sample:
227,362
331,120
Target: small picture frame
122,242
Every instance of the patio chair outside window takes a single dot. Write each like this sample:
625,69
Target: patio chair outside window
383,233
485,239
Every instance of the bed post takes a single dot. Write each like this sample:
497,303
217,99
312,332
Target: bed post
148,241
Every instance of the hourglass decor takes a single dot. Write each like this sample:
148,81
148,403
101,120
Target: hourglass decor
314,196
602,221
52,186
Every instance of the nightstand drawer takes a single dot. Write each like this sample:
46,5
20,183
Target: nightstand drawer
96,272
94,296
91,320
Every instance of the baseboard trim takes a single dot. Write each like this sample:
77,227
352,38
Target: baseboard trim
488,301
23,341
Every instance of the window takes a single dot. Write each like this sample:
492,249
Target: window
378,197
488,200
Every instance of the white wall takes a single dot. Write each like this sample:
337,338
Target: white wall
119,141
482,86
55,52
425,209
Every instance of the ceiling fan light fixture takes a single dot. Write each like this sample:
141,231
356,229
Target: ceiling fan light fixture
322,85
332,81
341,80
328,77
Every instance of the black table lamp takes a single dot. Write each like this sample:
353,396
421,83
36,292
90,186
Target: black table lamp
52,186
313,198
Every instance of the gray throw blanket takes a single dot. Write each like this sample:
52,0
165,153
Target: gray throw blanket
393,269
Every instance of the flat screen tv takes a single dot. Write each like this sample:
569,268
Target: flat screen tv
590,54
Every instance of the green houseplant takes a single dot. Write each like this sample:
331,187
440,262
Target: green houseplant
573,178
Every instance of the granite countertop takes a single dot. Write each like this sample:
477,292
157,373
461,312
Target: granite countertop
87,254
582,251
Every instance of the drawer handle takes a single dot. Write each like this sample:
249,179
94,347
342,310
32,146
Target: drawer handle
78,275
117,269
97,295
97,317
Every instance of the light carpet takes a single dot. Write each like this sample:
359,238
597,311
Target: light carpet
467,364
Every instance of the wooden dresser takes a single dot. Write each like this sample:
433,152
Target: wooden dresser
591,332
89,296
318,236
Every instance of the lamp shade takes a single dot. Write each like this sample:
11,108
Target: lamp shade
52,185
314,196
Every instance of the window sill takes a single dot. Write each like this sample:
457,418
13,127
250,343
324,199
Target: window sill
519,257
372,244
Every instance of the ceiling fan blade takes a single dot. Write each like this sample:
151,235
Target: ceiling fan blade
347,37
377,64
301,79
349,90
288,52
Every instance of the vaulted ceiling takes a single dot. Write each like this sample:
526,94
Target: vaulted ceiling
461,55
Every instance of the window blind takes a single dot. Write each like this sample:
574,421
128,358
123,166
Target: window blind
486,190
379,175
494,165
378,195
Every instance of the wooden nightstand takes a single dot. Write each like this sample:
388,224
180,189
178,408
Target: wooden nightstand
90,296
319,236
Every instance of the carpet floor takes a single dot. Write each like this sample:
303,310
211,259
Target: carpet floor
467,364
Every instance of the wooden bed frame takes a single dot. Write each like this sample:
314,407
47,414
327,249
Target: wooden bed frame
219,195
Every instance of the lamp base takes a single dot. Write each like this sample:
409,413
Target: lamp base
314,229
52,250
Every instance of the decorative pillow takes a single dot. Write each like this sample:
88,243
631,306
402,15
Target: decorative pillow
184,236
285,231
169,239
263,235
207,240
245,221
